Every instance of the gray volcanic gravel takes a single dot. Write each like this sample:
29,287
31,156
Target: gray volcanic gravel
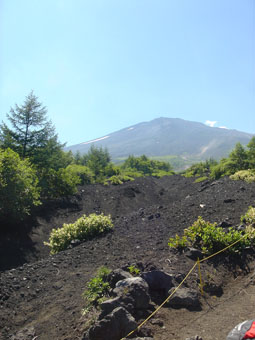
43,296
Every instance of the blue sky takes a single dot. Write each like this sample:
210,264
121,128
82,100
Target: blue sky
100,66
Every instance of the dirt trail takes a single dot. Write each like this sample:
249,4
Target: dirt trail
46,294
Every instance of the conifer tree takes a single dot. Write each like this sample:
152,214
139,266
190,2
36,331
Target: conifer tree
30,130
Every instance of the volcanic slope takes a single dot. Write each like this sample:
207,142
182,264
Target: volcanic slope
45,295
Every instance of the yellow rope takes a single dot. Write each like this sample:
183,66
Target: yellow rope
200,276
162,304
174,291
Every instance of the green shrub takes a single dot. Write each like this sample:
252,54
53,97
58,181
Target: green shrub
209,238
162,173
131,172
201,179
83,172
19,190
133,270
97,289
146,166
200,169
60,183
117,180
244,175
249,217
83,229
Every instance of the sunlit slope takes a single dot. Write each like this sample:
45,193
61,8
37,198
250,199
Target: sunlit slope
168,136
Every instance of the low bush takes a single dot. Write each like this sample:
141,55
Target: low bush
249,217
19,190
118,179
146,166
134,270
58,183
162,173
200,169
132,172
97,289
201,179
83,172
209,238
83,229
244,175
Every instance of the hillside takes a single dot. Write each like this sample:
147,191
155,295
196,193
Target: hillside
190,141
43,297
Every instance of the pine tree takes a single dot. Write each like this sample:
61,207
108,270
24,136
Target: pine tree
251,153
30,130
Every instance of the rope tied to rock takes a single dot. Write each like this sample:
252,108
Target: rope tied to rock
175,290
162,304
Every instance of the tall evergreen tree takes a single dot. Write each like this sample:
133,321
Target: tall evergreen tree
30,130
251,153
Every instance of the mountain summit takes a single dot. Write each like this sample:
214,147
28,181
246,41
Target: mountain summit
163,137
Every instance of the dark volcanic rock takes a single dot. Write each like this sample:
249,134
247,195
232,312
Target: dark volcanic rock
194,253
159,280
113,327
184,298
117,275
135,288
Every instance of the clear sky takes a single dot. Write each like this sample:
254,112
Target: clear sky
103,65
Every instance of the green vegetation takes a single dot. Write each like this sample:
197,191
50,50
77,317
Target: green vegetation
62,182
118,179
201,169
97,289
239,159
249,217
201,179
19,190
30,140
36,162
133,270
244,175
143,166
84,228
84,173
30,131
209,238
240,164
178,163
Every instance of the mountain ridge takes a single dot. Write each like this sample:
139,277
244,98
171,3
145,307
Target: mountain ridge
168,136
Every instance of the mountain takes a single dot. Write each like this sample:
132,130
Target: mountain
164,138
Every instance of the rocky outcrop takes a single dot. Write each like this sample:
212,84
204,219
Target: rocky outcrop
118,275
184,298
136,290
114,326
159,280
130,297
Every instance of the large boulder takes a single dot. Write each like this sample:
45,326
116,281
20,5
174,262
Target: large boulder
184,298
113,327
136,290
120,301
159,280
118,275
